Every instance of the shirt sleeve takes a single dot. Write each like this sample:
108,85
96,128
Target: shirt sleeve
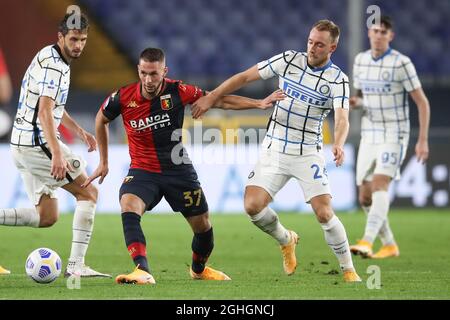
341,93
356,80
111,106
408,75
189,93
48,79
274,66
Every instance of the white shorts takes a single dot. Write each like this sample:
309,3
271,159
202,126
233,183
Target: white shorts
35,167
274,169
383,158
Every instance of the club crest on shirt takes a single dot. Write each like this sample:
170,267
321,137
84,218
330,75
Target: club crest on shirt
166,102
324,89
386,75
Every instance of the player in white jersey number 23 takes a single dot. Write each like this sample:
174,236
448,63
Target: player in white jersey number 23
292,147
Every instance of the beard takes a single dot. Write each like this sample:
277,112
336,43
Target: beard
316,61
71,53
153,90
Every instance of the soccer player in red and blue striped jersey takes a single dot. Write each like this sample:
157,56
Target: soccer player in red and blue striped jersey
152,112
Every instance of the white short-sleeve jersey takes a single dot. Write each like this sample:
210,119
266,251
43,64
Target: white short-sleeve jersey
295,126
48,75
385,83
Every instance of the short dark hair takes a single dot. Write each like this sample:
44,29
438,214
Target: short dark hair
152,55
387,22
330,26
65,25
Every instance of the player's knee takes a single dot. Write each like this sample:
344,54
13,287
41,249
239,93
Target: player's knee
88,194
200,223
253,205
365,200
47,221
324,214
128,206
93,194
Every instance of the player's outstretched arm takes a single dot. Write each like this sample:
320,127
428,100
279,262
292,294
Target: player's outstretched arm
73,126
228,86
232,102
423,106
102,134
60,166
341,126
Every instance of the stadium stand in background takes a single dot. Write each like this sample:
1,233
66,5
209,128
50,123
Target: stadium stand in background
206,38
206,41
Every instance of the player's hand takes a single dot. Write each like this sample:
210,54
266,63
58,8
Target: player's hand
268,102
60,167
355,102
89,139
338,152
202,105
422,151
101,171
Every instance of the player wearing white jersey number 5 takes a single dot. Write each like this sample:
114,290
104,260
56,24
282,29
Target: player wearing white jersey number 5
292,147
44,162
384,77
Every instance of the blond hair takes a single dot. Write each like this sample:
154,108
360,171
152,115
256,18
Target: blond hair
330,26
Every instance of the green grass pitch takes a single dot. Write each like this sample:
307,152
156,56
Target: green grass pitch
248,256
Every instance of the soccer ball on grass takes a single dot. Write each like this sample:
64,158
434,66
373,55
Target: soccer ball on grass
43,265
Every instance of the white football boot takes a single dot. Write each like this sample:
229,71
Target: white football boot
78,268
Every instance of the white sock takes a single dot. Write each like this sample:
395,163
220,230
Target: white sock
83,223
386,235
20,217
377,215
336,238
267,220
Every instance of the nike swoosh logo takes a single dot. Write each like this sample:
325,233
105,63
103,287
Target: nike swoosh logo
289,72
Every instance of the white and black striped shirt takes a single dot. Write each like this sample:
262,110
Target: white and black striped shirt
385,83
295,126
48,75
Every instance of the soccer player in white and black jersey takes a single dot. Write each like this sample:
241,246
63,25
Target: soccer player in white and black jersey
44,162
292,147
383,78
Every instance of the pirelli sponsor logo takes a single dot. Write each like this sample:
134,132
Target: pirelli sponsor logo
298,93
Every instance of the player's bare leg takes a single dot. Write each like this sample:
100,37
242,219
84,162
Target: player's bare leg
256,201
202,246
335,235
132,210
82,226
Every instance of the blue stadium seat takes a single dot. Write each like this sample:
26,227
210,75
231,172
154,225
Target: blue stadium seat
204,37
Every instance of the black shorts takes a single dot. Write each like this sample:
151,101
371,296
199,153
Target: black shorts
182,190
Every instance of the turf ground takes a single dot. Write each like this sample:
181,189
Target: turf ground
250,257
